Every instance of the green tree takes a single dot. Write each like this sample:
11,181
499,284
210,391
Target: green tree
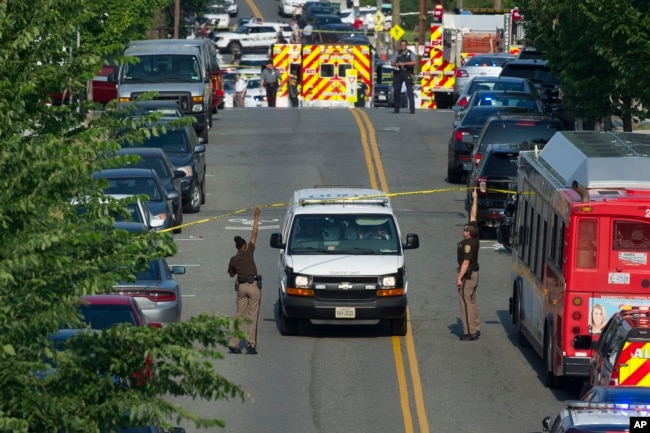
598,49
50,253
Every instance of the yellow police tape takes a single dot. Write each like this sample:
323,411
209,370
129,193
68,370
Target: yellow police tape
281,205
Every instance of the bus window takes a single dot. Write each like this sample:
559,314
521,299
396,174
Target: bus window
586,246
630,235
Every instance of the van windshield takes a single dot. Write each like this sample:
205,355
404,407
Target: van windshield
163,68
343,234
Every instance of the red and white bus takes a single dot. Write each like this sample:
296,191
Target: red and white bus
580,243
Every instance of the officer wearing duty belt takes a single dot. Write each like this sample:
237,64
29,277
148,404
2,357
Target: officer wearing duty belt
404,63
248,286
467,278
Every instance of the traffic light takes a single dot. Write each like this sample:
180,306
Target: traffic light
437,14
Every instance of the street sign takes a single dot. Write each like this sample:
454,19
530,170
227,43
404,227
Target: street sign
379,18
351,85
379,27
397,32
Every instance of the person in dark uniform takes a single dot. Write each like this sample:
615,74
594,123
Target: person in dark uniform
248,287
467,278
270,77
404,63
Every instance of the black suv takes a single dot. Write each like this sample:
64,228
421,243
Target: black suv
548,85
495,179
183,148
515,129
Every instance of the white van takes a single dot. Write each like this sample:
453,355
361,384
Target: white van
342,260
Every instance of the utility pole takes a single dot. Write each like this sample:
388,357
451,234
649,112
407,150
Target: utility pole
177,19
422,22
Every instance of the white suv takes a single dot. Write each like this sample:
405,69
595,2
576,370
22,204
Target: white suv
252,37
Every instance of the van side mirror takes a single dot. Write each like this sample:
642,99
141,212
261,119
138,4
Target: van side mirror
276,241
412,242
112,78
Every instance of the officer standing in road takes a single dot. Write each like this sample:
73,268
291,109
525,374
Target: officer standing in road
270,79
248,287
404,63
467,278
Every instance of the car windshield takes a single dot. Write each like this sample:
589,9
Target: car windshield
343,234
537,74
158,165
163,68
132,211
105,316
487,61
503,165
152,272
173,141
519,132
133,186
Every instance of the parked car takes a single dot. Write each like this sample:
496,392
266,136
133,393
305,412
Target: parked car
156,291
479,65
137,211
156,159
530,53
232,7
528,103
629,394
254,96
320,19
218,16
495,178
140,181
621,353
459,152
104,311
340,34
251,37
513,84
187,153
516,128
587,417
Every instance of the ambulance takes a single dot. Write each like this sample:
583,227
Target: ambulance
622,353
329,75
341,260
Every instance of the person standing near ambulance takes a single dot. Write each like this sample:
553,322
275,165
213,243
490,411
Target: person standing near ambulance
404,63
248,287
270,78
467,278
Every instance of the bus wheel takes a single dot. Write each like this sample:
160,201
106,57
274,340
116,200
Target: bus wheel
551,380
516,314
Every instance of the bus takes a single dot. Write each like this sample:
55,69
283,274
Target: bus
579,243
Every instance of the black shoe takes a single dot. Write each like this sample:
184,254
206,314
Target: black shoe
395,112
412,112
233,349
478,334
251,350
468,337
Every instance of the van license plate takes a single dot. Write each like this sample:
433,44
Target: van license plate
619,278
345,312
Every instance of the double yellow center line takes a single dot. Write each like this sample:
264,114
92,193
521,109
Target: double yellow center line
378,181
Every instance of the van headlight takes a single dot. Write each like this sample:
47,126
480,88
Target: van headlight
388,281
301,281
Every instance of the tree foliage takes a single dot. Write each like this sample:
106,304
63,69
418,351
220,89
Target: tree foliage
599,50
50,253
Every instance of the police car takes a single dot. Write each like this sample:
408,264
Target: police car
586,417
342,260
622,353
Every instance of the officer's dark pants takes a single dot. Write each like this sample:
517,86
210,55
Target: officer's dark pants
398,79
271,91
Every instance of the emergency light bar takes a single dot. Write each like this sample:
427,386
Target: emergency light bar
577,404
383,201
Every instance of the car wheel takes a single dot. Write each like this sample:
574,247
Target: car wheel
453,176
234,46
194,204
551,380
516,315
398,327
214,110
288,326
204,135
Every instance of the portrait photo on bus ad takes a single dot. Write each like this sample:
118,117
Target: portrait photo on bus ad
602,309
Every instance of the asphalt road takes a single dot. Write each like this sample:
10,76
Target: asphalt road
357,379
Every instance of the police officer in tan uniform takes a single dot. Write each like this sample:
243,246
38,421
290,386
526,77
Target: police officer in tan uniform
467,278
248,286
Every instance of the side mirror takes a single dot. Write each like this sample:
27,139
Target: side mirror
112,78
412,242
276,241
179,174
173,195
178,270
200,148
456,108
546,423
